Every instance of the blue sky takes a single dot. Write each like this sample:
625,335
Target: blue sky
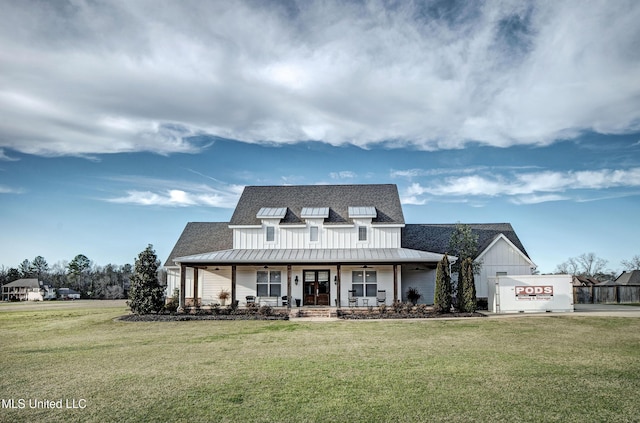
122,121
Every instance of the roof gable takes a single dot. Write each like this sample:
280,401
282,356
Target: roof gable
26,283
629,278
384,199
436,237
201,237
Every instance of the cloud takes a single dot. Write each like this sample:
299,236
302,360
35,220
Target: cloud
124,76
527,188
8,190
181,194
4,157
345,174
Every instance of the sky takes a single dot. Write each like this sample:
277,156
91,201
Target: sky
121,121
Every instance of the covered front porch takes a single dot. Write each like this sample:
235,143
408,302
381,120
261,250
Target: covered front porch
312,278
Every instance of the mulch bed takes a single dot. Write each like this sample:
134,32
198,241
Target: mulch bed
183,317
349,315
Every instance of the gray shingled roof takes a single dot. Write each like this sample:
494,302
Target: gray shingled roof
338,198
629,278
207,237
436,237
202,237
26,283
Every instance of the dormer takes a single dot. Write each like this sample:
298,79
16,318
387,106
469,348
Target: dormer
361,217
271,217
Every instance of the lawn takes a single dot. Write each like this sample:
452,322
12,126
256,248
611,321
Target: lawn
520,369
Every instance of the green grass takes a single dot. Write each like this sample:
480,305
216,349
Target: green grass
521,369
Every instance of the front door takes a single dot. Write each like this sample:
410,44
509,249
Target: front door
316,287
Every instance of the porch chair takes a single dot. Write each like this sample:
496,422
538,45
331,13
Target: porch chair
250,299
285,301
353,300
381,298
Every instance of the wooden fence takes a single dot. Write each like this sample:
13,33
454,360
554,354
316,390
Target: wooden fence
606,294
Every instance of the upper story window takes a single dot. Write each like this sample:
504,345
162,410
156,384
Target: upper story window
313,233
271,233
362,233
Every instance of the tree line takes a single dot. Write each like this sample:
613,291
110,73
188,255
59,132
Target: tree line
111,281
590,265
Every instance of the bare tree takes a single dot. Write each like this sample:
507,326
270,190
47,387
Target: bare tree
587,264
633,264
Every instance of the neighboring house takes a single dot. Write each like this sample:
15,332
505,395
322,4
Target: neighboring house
323,244
584,281
628,278
68,294
27,290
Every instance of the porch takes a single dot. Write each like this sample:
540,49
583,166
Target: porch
281,278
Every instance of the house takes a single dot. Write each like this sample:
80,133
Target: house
68,294
331,245
27,290
579,280
628,278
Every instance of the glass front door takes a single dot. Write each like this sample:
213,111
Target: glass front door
316,287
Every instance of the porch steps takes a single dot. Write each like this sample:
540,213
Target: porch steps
313,313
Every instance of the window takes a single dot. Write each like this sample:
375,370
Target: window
365,283
313,233
268,283
271,234
362,233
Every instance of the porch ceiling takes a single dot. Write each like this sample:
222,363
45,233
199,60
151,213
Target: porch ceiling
292,256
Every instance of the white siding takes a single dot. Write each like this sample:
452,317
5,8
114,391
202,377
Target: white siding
212,282
328,237
501,257
423,280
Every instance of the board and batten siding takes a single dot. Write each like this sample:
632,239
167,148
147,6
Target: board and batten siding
423,280
328,237
501,257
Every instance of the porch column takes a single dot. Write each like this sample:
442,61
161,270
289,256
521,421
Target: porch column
183,286
338,275
195,287
289,286
395,283
233,284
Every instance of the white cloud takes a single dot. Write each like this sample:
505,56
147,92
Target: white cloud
4,157
153,192
528,188
131,76
8,190
345,174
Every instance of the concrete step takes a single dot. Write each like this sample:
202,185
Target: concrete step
313,312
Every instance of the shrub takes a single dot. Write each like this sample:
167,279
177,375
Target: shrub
398,306
172,305
442,297
382,308
413,295
468,302
265,310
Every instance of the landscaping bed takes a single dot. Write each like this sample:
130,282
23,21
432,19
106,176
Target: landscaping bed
399,311
212,313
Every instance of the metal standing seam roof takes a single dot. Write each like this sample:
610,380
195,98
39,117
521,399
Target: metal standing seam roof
362,212
318,212
291,256
271,213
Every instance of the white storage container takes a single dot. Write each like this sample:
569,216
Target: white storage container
530,293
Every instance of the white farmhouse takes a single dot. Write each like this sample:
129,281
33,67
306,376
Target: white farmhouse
329,245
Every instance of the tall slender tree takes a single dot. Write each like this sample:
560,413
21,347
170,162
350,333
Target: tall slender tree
442,297
468,303
146,295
